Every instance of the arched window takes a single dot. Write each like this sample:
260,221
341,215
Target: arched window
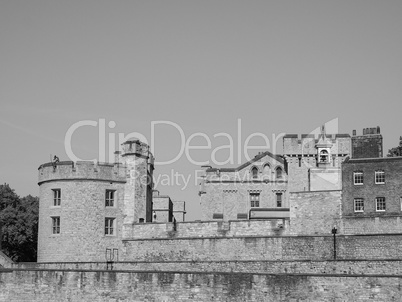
254,172
278,173
324,156
266,170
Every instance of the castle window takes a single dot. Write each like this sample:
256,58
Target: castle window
254,172
267,170
109,198
324,156
278,173
254,200
109,226
279,200
358,178
380,204
56,197
379,177
359,204
56,225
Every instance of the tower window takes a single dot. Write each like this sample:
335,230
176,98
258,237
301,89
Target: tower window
55,225
359,204
358,178
110,226
254,200
109,199
324,158
379,177
380,204
279,200
56,197
254,172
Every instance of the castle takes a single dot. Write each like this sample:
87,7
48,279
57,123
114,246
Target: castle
319,223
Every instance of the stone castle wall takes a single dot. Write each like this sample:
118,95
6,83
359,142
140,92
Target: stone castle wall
384,246
61,285
315,212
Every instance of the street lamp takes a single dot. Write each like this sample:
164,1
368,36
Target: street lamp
334,230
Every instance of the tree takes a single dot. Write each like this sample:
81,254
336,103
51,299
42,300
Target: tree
19,218
397,151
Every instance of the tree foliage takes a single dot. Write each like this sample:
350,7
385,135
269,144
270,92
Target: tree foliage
397,151
19,219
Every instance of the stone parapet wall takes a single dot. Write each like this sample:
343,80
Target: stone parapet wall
68,170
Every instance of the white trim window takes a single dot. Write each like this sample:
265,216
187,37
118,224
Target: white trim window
110,226
380,204
379,177
359,204
358,178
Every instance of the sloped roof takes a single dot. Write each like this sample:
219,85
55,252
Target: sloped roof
279,158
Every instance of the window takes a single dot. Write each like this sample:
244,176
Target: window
109,199
279,200
324,156
380,204
400,201
109,226
254,172
278,173
359,205
56,197
379,177
358,178
255,200
267,170
56,225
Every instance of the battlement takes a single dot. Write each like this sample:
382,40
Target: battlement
135,147
81,170
305,144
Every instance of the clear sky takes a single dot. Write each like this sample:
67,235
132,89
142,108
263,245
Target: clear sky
278,66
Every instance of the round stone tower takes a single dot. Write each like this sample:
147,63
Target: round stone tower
84,205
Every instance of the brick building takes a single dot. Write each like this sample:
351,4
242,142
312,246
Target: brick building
368,145
256,189
372,187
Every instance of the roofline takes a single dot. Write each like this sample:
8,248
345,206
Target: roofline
256,158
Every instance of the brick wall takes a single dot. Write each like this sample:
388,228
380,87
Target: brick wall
48,285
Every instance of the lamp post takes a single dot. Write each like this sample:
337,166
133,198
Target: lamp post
334,230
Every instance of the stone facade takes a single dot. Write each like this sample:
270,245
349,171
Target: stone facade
256,189
162,207
84,207
315,212
314,161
